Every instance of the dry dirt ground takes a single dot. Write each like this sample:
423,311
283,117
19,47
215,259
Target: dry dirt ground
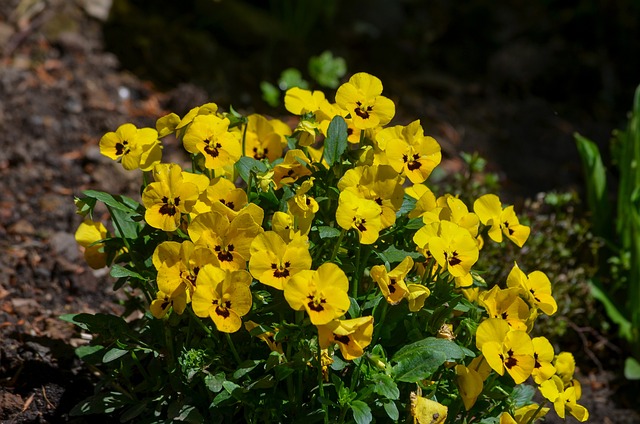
59,93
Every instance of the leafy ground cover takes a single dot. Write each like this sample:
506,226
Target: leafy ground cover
61,92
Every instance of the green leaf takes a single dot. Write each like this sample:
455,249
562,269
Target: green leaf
246,165
104,324
124,223
361,412
522,395
385,386
132,412
631,369
624,325
392,410
114,354
421,359
327,70
328,232
392,254
123,203
596,182
336,142
90,353
291,77
118,271
270,94
102,403
214,382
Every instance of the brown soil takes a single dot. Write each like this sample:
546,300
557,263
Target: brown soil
59,93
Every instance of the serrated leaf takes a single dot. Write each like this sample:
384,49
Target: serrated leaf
522,394
336,142
361,412
421,359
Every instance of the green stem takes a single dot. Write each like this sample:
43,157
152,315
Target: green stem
325,408
337,246
533,417
233,348
378,325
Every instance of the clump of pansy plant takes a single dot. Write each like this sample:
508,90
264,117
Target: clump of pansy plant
282,274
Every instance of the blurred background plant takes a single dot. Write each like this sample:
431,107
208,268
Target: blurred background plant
617,282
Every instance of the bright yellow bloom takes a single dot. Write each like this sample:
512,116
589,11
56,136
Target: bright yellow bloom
136,148
502,221
543,354
288,227
230,241
168,197
273,262
167,124
469,384
409,151
361,97
222,196
87,235
427,411
507,349
176,300
391,283
351,335
300,101
322,293
294,166
425,201
524,415
507,305
302,206
205,109
565,366
454,210
417,295
261,140
210,135
379,183
454,249
564,400
363,215
535,287
224,296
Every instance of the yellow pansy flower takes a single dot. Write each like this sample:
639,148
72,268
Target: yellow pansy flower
409,151
300,101
294,166
135,148
205,109
266,336
507,305
221,195
322,293
502,221
565,365
302,206
163,301
87,235
564,399
351,335
504,348
229,241
535,287
363,215
210,135
469,383
223,296
361,97
379,183
168,197
416,296
454,249
273,261
391,283
543,354
261,140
